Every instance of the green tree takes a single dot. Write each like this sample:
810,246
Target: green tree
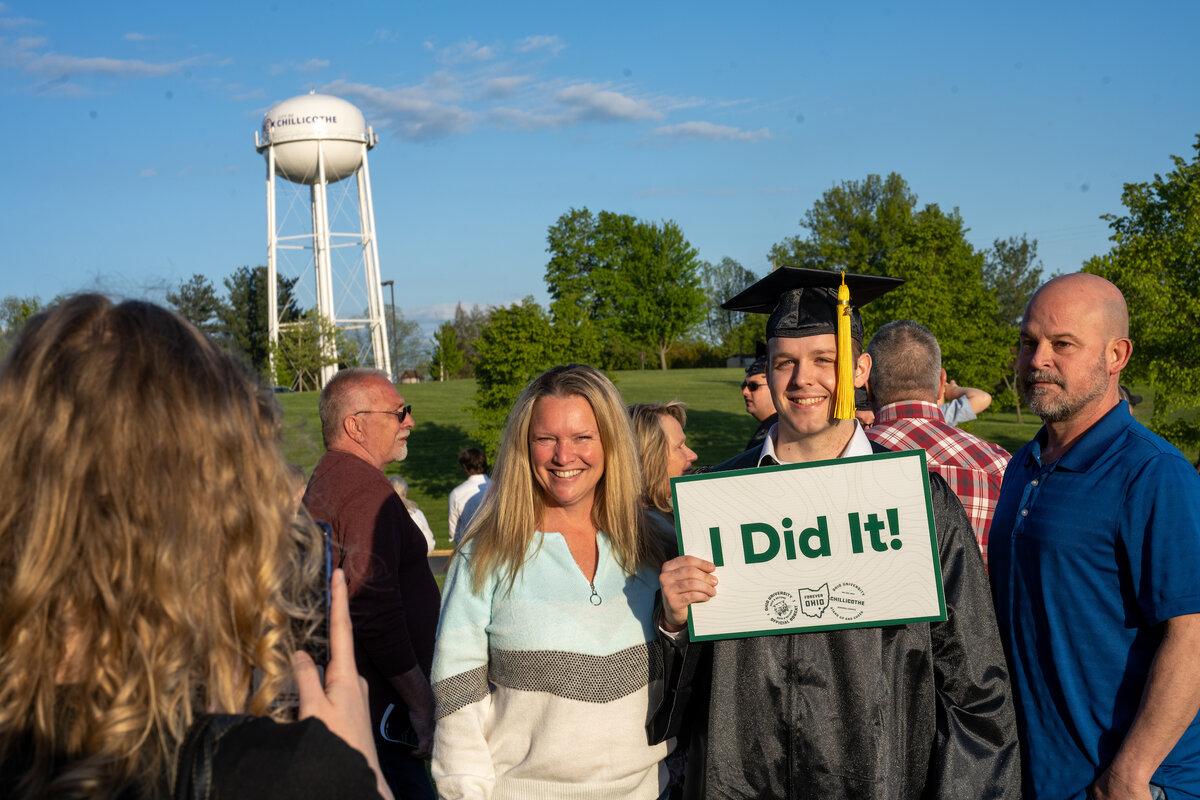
14,313
406,343
299,355
197,301
575,337
448,358
874,226
515,346
853,226
1155,261
720,282
656,288
1012,271
467,325
244,315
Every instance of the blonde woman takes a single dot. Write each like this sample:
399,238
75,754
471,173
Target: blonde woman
662,447
150,566
544,668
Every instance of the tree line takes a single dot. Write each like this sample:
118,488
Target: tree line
631,293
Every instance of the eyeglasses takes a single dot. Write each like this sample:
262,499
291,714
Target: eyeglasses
400,415
752,386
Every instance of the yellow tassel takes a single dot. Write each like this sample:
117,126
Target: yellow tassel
843,407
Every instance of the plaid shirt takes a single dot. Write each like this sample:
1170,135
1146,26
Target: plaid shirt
973,467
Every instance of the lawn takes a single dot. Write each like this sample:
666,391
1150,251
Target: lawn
718,426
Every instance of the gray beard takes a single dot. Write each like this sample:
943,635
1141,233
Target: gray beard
1061,408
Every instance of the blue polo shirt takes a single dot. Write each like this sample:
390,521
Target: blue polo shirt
1088,555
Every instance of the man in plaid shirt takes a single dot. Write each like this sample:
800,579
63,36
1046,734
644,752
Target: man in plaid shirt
906,378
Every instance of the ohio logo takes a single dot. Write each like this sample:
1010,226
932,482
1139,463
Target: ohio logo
781,608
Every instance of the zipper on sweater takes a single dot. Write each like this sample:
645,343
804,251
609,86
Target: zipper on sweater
595,599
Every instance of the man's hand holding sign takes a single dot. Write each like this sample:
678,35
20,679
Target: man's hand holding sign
819,546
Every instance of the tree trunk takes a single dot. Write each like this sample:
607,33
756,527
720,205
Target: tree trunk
662,357
1016,396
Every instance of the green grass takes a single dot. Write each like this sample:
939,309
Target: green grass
718,426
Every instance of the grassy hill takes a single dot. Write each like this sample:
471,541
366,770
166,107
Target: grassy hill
718,426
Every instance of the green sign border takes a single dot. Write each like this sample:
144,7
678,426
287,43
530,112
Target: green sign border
937,562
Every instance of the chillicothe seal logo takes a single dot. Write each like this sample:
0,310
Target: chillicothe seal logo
847,600
781,608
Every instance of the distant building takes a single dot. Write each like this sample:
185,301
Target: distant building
410,376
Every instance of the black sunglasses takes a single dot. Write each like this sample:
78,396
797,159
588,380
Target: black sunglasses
400,415
752,386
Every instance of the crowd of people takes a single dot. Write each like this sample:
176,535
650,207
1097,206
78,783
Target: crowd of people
205,642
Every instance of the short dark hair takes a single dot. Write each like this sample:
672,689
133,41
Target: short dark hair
473,461
906,363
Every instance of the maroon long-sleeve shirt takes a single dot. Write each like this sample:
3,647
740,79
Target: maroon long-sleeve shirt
394,600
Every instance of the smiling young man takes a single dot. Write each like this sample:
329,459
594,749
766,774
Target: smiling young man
906,711
394,599
1095,548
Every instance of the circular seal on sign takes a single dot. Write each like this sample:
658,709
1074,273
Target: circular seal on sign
781,607
847,601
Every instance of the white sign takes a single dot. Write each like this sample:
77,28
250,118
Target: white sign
848,543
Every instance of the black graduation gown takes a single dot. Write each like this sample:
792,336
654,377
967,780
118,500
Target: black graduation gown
905,712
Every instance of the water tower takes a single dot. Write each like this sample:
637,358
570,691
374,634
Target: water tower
311,143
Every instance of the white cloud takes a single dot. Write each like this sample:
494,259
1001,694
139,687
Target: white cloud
11,23
384,35
415,112
148,172
504,86
551,44
134,36
711,131
311,65
465,51
594,101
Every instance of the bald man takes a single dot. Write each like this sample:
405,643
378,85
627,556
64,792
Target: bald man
1094,554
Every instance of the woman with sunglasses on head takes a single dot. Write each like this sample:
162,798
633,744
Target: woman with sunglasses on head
545,669
154,576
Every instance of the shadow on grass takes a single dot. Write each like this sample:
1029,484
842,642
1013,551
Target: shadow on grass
432,463
717,435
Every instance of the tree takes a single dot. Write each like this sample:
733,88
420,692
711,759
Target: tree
720,282
1155,261
244,316
467,325
637,282
448,358
656,288
406,343
515,346
196,301
299,354
14,313
853,226
874,226
1012,271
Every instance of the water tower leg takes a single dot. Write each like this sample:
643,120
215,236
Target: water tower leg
272,275
380,350
325,307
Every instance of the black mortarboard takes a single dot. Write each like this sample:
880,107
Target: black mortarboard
803,302
809,302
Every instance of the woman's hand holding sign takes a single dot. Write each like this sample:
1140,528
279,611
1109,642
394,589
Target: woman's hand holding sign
685,580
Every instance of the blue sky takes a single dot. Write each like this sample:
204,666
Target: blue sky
130,163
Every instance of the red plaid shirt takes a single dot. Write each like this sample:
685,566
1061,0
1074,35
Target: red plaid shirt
973,467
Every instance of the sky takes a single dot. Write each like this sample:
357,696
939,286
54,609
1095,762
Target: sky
130,162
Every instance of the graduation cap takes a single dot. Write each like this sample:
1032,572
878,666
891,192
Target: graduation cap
809,302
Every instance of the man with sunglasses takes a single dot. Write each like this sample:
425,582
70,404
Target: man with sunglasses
758,400
394,599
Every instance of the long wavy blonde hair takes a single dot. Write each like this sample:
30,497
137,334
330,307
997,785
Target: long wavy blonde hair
512,508
653,447
150,559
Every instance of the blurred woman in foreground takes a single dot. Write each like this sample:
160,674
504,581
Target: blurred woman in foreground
151,574
543,671
662,447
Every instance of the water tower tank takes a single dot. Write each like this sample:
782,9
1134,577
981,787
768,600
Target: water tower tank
295,127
